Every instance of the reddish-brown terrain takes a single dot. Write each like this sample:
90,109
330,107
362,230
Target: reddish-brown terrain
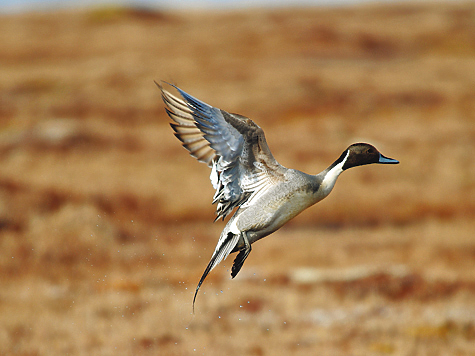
106,222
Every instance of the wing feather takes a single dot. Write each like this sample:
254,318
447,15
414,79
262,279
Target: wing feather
232,145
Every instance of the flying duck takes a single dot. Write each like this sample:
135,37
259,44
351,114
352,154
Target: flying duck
246,175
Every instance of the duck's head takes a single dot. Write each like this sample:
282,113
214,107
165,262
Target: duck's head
359,154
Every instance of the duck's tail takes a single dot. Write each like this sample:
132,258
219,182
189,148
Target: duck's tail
226,244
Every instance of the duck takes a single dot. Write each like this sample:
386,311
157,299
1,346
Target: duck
248,180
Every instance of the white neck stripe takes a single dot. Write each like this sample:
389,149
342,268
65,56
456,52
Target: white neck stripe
330,178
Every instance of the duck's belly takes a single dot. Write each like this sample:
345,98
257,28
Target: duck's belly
261,220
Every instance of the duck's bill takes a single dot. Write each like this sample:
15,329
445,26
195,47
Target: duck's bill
386,160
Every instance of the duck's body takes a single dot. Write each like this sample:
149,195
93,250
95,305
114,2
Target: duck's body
283,201
247,177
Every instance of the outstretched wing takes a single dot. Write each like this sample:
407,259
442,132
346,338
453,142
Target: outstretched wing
232,145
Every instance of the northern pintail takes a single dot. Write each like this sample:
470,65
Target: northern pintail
246,176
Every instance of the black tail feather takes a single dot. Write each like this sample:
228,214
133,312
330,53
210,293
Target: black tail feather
203,277
210,266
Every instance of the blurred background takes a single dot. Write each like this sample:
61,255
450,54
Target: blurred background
106,222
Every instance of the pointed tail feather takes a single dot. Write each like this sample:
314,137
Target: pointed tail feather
225,245
205,274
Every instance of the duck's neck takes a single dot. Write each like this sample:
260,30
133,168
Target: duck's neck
331,174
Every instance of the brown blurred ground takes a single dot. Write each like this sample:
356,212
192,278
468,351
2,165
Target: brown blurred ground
106,222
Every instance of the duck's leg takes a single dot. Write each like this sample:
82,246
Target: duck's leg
242,255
